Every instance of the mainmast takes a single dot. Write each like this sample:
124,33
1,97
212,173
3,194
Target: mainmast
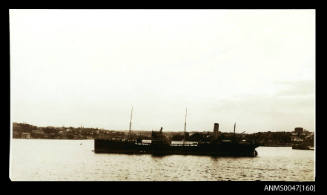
234,127
185,127
130,123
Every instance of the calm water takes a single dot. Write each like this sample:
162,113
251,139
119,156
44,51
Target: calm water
74,160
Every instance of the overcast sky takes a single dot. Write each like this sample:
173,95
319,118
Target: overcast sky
88,67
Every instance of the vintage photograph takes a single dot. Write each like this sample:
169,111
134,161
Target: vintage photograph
162,94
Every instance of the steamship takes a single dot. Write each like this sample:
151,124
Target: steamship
160,145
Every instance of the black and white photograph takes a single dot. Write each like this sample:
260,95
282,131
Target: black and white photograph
162,95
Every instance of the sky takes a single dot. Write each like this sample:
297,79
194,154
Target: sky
89,67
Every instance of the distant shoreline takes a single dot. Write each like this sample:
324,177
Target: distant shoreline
266,145
27,131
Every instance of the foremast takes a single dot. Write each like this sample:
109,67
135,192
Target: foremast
185,127
130,125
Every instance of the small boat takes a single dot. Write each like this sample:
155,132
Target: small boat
301,146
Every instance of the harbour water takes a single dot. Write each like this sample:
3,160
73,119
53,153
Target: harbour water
74,160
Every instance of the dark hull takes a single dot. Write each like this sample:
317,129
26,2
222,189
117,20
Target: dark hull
223,149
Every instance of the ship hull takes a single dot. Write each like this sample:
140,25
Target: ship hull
230,149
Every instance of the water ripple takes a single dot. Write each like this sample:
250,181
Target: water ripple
67,160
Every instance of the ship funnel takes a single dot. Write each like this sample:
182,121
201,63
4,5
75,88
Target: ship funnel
215,130
216,127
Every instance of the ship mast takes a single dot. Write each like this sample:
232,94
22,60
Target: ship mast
130,123
185,127
234,130
234,127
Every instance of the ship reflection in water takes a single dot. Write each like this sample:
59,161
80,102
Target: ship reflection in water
67,160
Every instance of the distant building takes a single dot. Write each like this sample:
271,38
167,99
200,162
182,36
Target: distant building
299,135
296,139
298,130
37,133
26,135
